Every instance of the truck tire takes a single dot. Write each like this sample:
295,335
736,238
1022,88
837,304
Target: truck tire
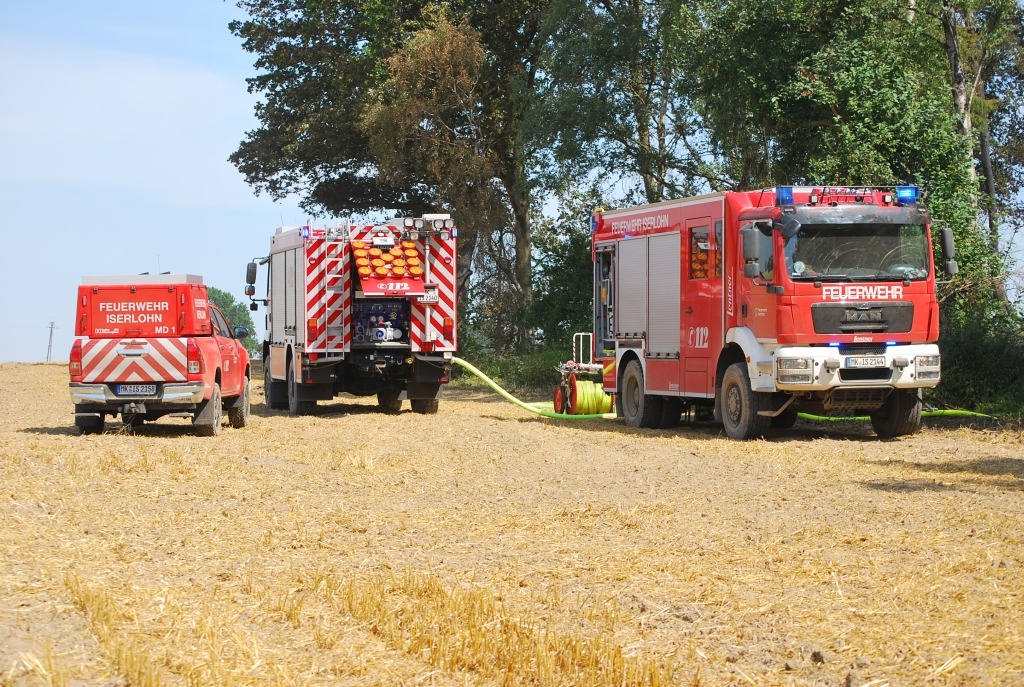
295,405
89,424
741,405
274,394
899,415
425,406
639,409
671,412
238,413
208,416
389,401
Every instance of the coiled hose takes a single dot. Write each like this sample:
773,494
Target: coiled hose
592,404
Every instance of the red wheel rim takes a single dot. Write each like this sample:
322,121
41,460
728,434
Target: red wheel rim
559,399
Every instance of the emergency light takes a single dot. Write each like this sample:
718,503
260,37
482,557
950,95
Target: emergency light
907,194
783,196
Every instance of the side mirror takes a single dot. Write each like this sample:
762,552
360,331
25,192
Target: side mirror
250,275
788,224
254,306
948,251
241,332
751,253
250,290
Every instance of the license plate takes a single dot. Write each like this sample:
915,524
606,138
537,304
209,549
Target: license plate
429,296
873,361
136,389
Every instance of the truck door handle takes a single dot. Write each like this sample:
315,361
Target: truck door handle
688,310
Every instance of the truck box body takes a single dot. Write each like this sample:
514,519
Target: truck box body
153,345
686,289
362,310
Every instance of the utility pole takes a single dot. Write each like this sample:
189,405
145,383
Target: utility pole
49,347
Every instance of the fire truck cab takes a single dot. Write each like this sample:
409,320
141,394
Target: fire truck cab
755,305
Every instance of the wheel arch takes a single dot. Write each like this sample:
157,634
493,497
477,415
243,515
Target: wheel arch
627,356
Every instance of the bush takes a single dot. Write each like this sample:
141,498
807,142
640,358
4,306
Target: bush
532,373
982,367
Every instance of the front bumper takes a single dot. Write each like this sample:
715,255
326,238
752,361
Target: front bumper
828,367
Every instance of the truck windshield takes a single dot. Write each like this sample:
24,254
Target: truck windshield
869,251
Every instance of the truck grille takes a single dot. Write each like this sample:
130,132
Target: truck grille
862,318
869,349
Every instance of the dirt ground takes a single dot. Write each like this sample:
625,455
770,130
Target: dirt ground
489,546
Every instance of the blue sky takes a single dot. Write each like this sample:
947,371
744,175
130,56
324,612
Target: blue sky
116,121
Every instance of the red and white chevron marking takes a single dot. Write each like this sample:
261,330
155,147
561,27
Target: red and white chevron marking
164,360
316,295
339,296
428,318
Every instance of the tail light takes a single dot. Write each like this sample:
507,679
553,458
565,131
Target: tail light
193,359
75,362
312,329
448,328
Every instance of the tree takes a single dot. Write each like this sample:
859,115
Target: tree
337,75
609,101
237,314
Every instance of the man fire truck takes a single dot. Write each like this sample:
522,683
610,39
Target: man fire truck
362,310
755,305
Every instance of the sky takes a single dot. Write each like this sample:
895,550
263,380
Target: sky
116,121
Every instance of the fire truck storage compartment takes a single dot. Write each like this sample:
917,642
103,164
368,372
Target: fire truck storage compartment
632,288
663,287
288,313
648,292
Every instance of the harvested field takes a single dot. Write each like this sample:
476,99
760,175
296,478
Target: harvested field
485,546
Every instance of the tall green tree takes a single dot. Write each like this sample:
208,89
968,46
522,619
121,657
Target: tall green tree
337,77
609,102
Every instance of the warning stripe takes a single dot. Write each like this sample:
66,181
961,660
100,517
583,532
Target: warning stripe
164,360
316,296
338,298
429,318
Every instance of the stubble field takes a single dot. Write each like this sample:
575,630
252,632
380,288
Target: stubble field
487,546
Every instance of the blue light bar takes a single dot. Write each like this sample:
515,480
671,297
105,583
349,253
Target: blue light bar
783,196
304,232
907,194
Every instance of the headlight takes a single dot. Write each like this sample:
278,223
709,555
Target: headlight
795,370
927,367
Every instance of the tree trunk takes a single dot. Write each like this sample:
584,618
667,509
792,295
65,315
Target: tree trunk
961,89
523,268
988,189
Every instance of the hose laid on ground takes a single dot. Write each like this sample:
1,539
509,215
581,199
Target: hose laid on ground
527,406
591,401
924,413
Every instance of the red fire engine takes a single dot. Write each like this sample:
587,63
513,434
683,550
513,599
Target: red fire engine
755,305
362,310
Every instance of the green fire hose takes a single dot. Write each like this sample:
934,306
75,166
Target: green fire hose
593,397
527,406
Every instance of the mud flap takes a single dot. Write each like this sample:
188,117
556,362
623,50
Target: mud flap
421,390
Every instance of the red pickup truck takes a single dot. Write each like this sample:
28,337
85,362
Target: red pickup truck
150,346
